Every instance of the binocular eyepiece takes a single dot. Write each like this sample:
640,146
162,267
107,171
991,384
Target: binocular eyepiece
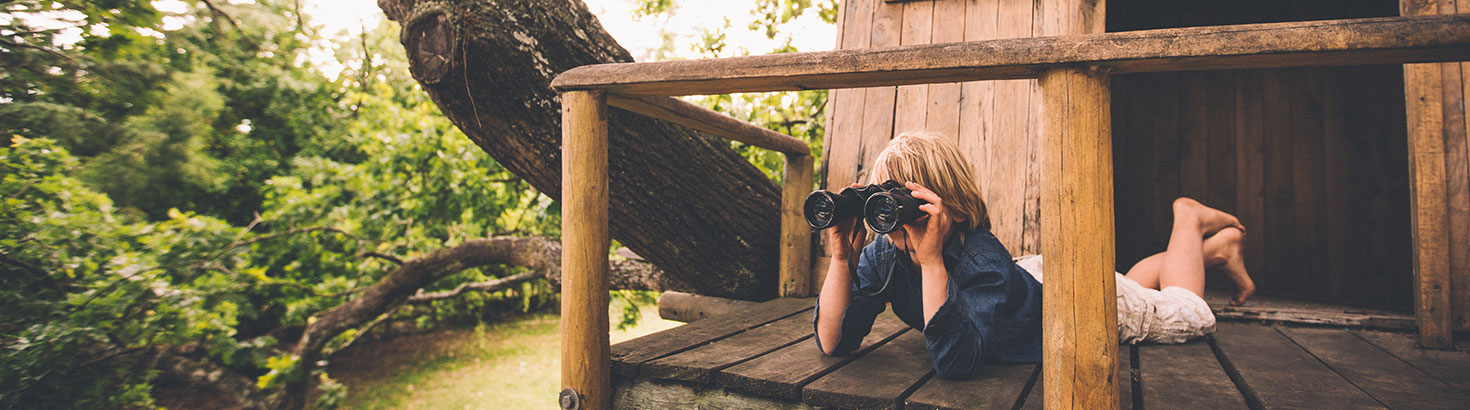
885,207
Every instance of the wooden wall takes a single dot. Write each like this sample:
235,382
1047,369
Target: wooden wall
976,114
1313,160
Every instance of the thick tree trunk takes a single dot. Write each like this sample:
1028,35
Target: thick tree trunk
684,200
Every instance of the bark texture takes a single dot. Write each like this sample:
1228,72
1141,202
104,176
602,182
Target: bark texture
684,200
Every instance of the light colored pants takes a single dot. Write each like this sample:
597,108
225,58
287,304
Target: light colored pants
1171,315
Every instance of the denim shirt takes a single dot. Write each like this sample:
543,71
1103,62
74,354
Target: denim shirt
992,313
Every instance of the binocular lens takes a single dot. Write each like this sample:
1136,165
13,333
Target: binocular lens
882,213
820,210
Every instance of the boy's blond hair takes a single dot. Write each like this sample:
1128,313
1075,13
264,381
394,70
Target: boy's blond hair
936,163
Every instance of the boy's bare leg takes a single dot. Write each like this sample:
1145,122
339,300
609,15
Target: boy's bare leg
1146,271
1183,262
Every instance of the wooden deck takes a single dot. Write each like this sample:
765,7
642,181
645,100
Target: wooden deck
763,357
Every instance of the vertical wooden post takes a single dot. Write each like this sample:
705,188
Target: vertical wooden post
796,235
1079,307
1422,94
585,354
1424,101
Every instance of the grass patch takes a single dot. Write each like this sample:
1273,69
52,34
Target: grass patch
515,364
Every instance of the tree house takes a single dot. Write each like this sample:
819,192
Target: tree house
1316,122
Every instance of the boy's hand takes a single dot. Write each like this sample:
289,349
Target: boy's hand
842,243
927,235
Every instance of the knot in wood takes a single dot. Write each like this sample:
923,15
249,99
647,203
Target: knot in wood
431,39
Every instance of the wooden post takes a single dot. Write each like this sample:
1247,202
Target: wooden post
1422,94
1424,102
585,354
1080,319
796,235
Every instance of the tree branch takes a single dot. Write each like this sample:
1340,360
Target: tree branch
221,13
486,286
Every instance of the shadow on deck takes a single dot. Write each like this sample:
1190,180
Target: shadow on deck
763,358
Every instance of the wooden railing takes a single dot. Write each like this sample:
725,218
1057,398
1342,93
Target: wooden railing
1080,329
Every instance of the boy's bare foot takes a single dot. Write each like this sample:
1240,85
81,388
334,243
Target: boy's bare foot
1211,220
1234,266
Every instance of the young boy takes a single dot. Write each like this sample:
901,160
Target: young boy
946,275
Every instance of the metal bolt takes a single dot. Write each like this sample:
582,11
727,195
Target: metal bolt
569,399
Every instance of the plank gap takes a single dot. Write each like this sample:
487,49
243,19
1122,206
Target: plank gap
1329,366
1252,397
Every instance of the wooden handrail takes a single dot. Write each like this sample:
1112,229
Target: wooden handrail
1388,40
693,116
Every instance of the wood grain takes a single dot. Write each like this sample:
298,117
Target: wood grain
1080,329
913,100
1385,40
1451,367
1391,381
627,356
1185,376
880,381
693,116
584,324
1425,112
943,106
796,235
994,387
783,373
1281,375
699,365
879,113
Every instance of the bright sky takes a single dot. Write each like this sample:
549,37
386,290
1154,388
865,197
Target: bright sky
688,20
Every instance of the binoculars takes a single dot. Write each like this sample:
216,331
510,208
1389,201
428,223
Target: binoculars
885,207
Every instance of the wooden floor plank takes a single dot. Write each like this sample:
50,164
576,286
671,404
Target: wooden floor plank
783,373
627,355
1185,376
995,387
1388,379
1036,399
878,380
700,364
1282,375
1452,367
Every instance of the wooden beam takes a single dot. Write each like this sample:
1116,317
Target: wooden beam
1387,40
585,353
1432,311
1080,326
686,307
693,116
796,235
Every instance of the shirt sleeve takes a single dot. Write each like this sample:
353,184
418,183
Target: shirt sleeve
956,335
862,309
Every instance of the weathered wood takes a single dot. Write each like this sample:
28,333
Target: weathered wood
1080,329
879,112
700,364
1451,367
1185,376
1317,43
584,297
796,235
783,373
913,100
1427,196
1348,318
1278,374
943,114
880,381
994,387
693,116
654,394
1036,398
685,307
626,356
1391,381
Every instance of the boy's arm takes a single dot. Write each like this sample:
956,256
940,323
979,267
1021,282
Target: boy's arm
843,316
